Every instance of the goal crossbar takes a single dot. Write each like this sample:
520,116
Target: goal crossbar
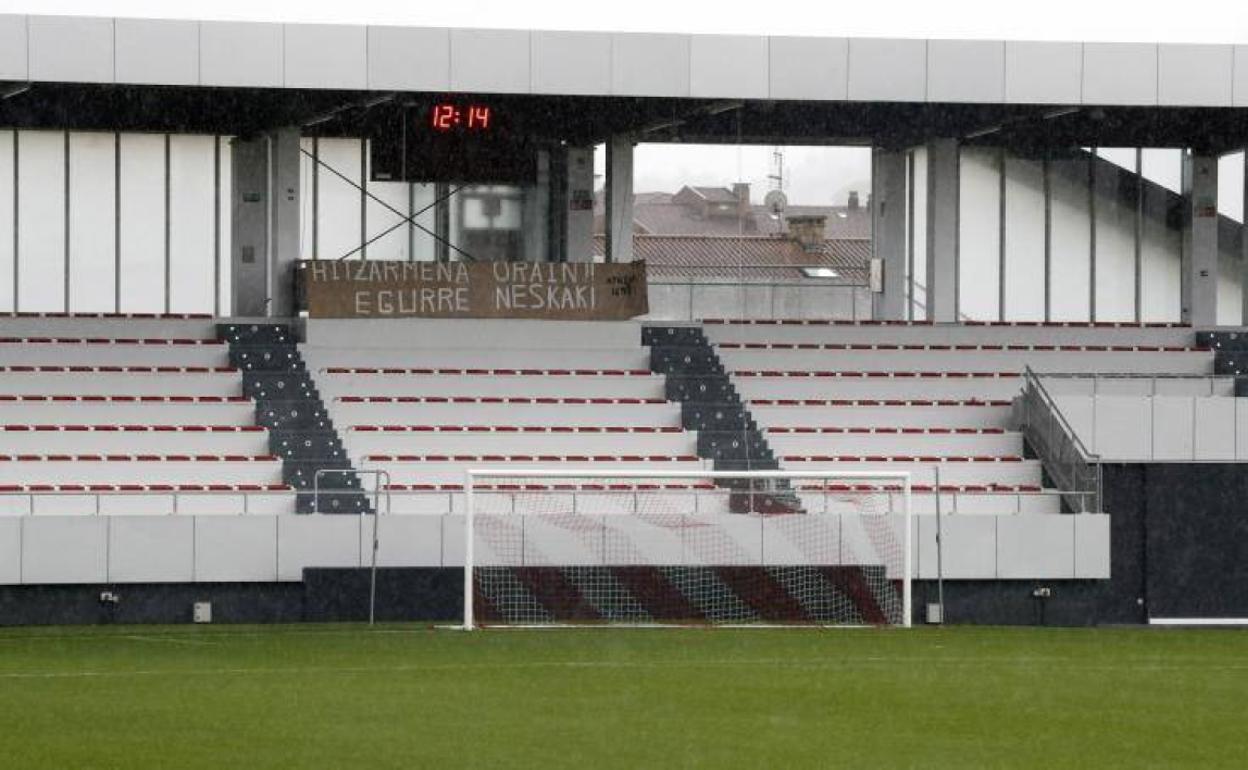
902,480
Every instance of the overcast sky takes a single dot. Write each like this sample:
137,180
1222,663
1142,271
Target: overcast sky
813,175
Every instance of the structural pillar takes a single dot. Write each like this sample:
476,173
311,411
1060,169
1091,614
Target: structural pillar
942,230
578,203
265,227
619,185
889,198
1199,277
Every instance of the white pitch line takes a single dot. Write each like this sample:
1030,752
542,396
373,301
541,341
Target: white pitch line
668,665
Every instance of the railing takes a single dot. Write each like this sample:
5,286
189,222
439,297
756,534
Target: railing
440,502
1143,384
1075,470
756,291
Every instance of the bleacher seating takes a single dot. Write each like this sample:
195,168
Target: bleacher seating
567,395
917,396
128,414
145,414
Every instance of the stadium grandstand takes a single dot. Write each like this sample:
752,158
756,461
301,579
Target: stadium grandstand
328,322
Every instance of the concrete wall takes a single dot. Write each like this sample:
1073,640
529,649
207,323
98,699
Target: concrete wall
264,548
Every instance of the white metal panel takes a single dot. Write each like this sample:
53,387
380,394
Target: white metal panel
1191,75
1120,73
490,60
75,49
151,549
191,255
571,63
326,56
13,47
969,545
887,70
157,52
8,248
235,548
965,71
1215,428
404,541
10,550
1172,428
728,66
409,58
644,64
1043,72
142,223
1091,546
316,541
92,225
1035,547
1124,429
41,217
1239,78
65,549
240,54
1241,431
808,68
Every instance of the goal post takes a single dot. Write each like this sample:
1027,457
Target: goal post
639,547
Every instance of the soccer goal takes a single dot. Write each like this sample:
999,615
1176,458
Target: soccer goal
547,547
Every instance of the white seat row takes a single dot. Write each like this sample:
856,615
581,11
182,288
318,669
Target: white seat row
169,327
583,441
923,470
882,416
95,469
1178,362
354,383
950,334
899,443
905,387
47,411
132,382
133,439
498,334
635,357
451,471
346,413
129,353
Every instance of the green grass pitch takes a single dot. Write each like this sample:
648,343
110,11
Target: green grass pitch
406,696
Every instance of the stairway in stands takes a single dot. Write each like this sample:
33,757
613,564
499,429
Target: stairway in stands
916,396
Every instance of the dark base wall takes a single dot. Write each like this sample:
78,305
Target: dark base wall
1012,603
434,595
1180,539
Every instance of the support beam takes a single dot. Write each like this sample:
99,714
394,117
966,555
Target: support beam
579,205
942,230
1200,239
1243,245
619,185
889,196
265,228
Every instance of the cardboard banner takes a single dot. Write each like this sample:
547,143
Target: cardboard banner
568,291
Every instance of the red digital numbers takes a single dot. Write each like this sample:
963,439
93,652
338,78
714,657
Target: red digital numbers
450,117
478,117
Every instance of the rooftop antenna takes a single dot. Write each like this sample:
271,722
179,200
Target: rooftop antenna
776,177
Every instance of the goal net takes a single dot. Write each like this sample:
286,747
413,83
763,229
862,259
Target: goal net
682,547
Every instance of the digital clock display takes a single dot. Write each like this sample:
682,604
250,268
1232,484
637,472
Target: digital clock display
451,118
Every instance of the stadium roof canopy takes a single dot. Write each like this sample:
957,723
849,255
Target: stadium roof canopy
237,77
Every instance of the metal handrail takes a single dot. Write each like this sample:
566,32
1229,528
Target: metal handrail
1076,469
